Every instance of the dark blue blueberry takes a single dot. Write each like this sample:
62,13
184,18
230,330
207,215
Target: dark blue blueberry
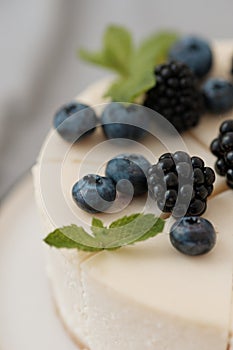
124,121
94,193
195,53
218,95
131,167
193,235
74,121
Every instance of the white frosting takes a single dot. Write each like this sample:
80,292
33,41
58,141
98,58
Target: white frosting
143,297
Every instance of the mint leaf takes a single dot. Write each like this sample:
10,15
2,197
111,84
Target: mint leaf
154,50
134,66
118,48
116,51
73,237
124,231
127,89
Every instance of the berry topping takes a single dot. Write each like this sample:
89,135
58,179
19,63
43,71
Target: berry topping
124,121
222,148
130,167
74,121
181,187
195,53
218,95
193,235
176,95
94,193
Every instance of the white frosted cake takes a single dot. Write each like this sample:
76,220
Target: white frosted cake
146,296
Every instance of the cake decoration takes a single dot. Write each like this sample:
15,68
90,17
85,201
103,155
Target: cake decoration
128,121
176,95
180,184
130,167
74,121
222,148
124,231
193,235
195,52
94,193
134,65
218,95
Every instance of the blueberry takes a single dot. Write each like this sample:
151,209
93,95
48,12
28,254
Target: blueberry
193,235
131,167
195,53
74,121
94,193
124,121
218,95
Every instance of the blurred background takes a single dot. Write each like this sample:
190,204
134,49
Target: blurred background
39,69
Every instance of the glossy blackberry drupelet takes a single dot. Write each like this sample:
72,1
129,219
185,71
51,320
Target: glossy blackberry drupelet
130,167
74,120
180,184
218,95
94,193
222,148
176,95
193,236
195,52
124,121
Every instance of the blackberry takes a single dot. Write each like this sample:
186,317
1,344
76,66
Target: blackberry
176,95
222,148
180,184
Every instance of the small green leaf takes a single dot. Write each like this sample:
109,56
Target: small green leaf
118,48
134,66
124,231
97,223
127,89
124,220
154,50
95,58
116,51
73,237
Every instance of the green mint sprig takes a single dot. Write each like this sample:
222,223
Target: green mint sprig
134,65
124,231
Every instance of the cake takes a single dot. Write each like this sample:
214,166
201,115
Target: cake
146,296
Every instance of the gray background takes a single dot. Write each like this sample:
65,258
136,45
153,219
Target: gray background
39,70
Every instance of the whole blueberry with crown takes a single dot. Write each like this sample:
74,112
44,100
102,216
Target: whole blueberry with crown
94,193
193,235
222,148
180,184
74,121
218,95
124,121
130,167
195,52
